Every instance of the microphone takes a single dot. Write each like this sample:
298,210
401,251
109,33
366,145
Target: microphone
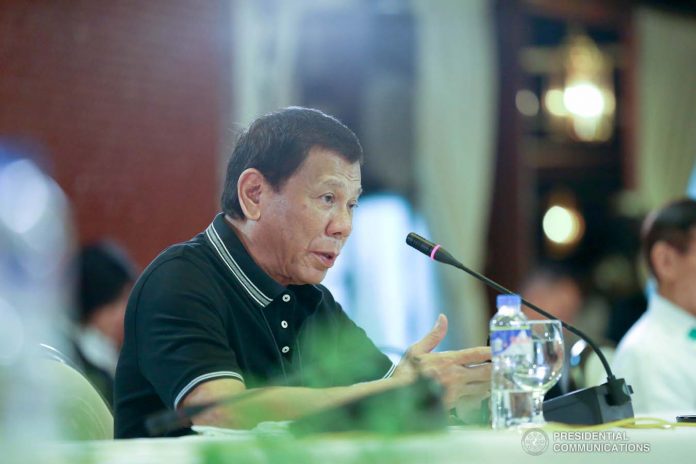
594,405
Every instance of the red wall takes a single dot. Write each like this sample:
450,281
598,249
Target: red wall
126,98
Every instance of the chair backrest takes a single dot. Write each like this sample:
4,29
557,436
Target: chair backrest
83,413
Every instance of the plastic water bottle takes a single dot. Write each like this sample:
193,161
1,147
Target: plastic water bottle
510,346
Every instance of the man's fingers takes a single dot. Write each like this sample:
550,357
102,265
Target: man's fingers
477,390
432,339
469,356
464,372
480,390
476,355
462,376
479,373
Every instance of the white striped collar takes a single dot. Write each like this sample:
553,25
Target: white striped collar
262,289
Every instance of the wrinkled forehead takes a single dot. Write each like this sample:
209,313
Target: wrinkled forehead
325,166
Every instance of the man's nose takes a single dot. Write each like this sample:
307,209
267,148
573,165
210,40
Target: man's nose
341,224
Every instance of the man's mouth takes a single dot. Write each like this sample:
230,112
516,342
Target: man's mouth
327,258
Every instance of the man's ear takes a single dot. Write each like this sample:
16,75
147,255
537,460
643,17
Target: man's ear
664,257
250,187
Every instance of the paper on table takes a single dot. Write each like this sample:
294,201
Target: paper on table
263,428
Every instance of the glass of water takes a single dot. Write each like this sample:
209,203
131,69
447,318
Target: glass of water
542,369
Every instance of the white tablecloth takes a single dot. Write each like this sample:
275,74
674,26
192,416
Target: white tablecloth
457,445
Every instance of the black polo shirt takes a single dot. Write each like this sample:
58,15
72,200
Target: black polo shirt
204,310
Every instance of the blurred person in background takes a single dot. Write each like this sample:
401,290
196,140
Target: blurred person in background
105,278
657,354
555,290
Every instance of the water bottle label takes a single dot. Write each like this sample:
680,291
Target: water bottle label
511,341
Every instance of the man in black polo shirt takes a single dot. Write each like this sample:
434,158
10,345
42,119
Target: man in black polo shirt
240,307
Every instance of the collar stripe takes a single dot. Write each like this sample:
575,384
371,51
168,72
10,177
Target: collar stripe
253,291
390,371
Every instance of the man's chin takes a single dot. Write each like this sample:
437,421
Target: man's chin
312,277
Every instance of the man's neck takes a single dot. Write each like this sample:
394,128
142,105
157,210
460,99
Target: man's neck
676,299
244,231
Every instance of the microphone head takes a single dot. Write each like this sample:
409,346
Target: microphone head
419,243
430,249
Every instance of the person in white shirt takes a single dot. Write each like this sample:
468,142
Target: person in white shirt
658,354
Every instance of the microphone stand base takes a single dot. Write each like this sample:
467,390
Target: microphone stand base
589,406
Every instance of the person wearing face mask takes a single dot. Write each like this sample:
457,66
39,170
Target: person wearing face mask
105,278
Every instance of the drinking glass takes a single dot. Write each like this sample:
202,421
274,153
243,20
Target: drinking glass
543,367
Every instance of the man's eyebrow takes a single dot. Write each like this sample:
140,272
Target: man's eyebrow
338,184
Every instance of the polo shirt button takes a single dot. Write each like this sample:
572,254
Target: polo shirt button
286,298
284,324
285,349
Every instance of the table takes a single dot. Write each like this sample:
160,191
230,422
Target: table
456,445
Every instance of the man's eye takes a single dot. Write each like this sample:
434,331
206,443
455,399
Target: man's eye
352,206
328,198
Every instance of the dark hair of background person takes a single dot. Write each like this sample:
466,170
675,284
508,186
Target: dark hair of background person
555,287
672,224
104,271
552,273
277,143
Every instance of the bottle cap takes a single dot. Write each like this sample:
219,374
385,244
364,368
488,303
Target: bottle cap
508,300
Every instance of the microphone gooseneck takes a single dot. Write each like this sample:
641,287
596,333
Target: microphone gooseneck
437,253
